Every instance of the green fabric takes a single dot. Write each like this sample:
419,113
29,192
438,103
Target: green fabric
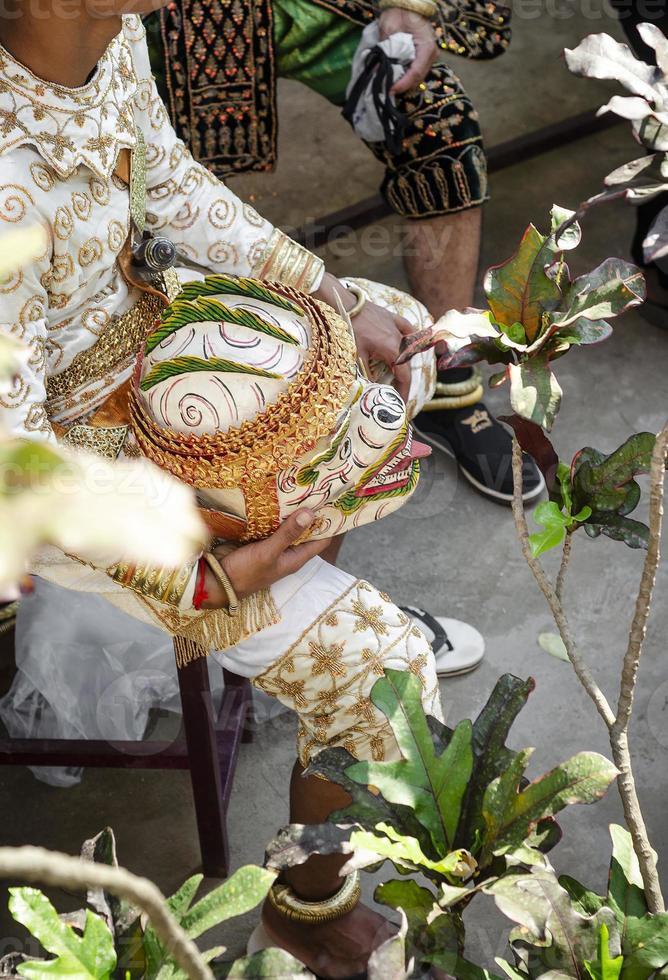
315,46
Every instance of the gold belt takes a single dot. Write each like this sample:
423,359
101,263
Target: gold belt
122,338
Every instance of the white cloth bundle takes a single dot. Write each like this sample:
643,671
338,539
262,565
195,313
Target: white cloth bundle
400,48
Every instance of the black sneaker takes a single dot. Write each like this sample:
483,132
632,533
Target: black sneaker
483,449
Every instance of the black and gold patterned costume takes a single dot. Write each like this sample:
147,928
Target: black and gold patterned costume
222,58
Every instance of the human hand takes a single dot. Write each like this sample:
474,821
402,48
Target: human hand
379,335
256,566
395,21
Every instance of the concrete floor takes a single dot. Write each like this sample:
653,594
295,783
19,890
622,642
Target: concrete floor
477,572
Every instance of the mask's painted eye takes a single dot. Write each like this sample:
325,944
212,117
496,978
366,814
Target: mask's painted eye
388,409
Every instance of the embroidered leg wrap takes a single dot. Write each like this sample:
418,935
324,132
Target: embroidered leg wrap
328,674
442,166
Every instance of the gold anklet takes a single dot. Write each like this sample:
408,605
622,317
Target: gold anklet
451,389
462,401
284,900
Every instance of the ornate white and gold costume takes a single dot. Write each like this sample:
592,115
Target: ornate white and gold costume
318,640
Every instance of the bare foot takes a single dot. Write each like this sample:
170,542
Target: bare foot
336,950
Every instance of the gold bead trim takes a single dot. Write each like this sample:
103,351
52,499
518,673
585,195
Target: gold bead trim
250,456
284,900
122,338
103,440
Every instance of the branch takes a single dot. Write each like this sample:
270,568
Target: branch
38,865
619,731
579,665
563,568
648,578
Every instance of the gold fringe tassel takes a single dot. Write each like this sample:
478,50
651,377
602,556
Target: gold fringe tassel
217,630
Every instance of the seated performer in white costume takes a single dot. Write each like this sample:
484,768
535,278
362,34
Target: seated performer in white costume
251,393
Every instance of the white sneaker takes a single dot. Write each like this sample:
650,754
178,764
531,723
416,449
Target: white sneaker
458,647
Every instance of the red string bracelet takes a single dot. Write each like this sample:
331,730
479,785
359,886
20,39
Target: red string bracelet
201,595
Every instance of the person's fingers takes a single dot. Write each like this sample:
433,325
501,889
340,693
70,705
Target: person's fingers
418,70
294,558
290,531
405,327
402,379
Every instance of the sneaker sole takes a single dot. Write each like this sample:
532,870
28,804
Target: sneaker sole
482,488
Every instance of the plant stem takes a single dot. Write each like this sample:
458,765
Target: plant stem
38,865
579,665
634,820
563,568
619,731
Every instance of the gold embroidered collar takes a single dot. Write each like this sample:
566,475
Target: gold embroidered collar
72,126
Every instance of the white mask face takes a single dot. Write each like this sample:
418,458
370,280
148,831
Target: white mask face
210,376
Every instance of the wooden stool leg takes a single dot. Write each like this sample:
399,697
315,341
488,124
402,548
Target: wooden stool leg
205,769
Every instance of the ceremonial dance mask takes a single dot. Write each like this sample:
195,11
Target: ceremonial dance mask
253,394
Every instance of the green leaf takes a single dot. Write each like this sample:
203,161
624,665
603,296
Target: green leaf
123,919
514,332
548,515
179,903
604,482
588,902
558,934
634,534
645,946
572,236
519,290
583,332
268,964
460,968
626,894
181,900
187,364
535,393
388,961
509,970
406,853
605,967
533,441
553,644
417,904
432,785
511,814
367,809
607,291
239,894
491,756
297,842
542,541
90,956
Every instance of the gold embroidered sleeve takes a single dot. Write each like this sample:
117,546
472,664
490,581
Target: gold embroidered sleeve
165,585
290,263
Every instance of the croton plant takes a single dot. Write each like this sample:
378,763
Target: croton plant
535,314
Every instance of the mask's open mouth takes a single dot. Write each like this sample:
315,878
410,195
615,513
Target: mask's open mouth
399,470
